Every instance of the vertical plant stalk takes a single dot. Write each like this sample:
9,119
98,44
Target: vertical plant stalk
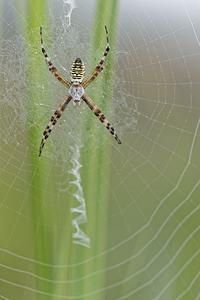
94,178
96,172
39,191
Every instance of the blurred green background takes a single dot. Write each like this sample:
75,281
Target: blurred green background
137,204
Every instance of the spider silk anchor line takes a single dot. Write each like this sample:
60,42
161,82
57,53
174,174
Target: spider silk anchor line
76,91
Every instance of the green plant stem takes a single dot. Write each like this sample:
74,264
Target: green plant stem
39,193
97,173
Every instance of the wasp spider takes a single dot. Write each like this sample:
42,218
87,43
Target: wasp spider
76,91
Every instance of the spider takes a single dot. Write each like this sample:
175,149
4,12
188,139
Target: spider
76,91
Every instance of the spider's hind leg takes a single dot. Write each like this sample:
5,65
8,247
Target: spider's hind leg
101,64
51,67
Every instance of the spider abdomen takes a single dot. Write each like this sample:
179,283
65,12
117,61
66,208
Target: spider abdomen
77,71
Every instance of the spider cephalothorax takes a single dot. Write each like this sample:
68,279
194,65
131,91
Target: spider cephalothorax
76,91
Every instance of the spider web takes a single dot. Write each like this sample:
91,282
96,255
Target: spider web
153,244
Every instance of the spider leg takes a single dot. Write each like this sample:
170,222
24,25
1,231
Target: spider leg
51,67
100,66
54,120
100,116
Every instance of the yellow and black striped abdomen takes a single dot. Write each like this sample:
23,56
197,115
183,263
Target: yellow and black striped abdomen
77,71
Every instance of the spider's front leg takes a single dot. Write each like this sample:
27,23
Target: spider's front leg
100,116
56,116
